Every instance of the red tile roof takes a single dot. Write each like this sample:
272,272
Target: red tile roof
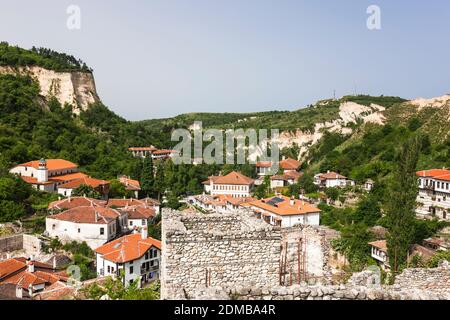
139,212
263,164
331,175
289,164
164,151
52,164
127,248
73,202
142,148
94,183
89,214
234,178
284,207
439,174
380,244
130,184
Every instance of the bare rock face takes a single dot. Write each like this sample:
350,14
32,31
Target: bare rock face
75,88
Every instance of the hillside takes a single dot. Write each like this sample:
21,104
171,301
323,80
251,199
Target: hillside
355,135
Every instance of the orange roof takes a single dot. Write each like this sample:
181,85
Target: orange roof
331,175
211,178
234,178
142,148
164,151
289,164
89,214
263,164
439,174
127,248
139,212
32,180
15,271
94,183
380,244
52,164
130,184
122,203
281,205
68,177
73,202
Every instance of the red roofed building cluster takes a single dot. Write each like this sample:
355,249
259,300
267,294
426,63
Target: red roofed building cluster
57,175
434,194
29,277
135,256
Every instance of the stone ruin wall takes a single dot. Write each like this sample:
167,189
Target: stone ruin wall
213,250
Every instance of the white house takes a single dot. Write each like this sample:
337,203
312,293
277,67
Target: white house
134,256
47,175
378,250
368,185
142,152
130,185
434,194
286,179
163,154
139,217
95,225
332,180
266,168
285,212
233,184
101,186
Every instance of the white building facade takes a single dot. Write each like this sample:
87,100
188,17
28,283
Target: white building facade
434,194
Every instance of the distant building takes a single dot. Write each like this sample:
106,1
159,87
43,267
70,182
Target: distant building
332,180
163,154
378,251
101,186
131,202
135,256
285,212
74,202
139,216
131,185
142,152
233,184
95,225
28,277
434,194
47,175
286,179
264,168
368,185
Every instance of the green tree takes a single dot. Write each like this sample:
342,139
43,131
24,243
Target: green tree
147,178
86,191
401,204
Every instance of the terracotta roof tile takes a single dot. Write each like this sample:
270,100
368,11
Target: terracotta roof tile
89,214
439,174
234,178
52,164
73,202
94,183
282,206
127,248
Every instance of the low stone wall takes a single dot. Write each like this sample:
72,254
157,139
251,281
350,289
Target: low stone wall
11,243
202,250
413,284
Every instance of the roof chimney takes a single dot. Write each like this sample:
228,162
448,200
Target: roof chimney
292,201
144,232
70,198
54,263
30,266
328,171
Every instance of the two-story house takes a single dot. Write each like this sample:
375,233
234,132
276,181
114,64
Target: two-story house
233,184
434,194
134,257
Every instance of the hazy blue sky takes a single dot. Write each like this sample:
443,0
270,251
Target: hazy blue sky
159,58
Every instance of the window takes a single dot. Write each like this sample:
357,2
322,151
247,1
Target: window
131,223
143,222
131,269
79,230
109,269
102,231
53,226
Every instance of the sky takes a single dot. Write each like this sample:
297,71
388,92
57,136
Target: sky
161,58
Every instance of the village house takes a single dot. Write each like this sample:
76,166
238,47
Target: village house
264,168
131,185
139,216
101,186
233,184
131,202
286,179
47,175
135,257
27,277
332,180
284,211
95,225
434,194
163,154
368,185
142,152
379,253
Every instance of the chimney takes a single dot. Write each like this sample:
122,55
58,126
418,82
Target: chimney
144,232
54,263
30,266
292,201
19,292
70,198
96,216
328,171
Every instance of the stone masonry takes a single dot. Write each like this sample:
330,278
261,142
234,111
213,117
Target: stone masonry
214,250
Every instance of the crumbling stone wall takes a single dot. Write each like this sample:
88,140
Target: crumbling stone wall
28,244
208,250
11,243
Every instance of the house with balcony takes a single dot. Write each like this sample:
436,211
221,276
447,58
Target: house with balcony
135,257
434,194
